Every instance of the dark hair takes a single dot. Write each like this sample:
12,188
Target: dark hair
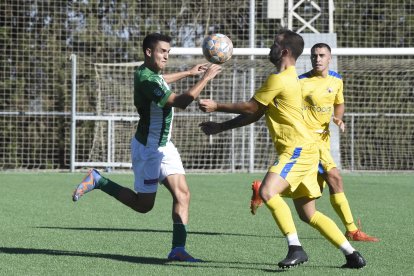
292,41
321,45
152,39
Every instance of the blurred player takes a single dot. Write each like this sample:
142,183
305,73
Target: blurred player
294,173
155,159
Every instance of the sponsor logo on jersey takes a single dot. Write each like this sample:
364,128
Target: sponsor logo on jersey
322,109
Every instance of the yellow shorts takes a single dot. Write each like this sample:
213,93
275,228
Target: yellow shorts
326,162
299,167
326,159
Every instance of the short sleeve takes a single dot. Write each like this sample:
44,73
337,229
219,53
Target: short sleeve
269,90
339,98
156,92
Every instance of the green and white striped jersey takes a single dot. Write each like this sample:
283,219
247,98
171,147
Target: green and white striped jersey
150,95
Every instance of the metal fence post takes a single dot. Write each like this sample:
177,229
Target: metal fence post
73,114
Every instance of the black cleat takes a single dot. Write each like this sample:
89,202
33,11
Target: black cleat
295,256
354,260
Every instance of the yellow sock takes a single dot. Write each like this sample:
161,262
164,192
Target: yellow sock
341,206
281,214
328,229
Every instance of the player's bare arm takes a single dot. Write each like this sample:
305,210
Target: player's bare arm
183,100
249,107
339,110
196,70
211,128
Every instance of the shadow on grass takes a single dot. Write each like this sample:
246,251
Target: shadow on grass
250,266
123,258
100,229
136,259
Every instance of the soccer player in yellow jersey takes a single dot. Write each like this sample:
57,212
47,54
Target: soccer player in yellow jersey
323,96
294,173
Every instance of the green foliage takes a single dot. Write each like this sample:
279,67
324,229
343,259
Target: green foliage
37,38
374,23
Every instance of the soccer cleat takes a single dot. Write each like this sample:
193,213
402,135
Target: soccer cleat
179,254
256,201
296,256
354,260
358,235
88,184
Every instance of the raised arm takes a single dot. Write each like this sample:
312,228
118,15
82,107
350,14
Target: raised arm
183,100
196,70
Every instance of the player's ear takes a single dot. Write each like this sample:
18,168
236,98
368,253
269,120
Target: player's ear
148,52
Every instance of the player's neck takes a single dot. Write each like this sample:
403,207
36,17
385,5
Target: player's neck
285,64
322,74
152,67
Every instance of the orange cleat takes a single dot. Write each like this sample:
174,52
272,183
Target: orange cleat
256,201
358,235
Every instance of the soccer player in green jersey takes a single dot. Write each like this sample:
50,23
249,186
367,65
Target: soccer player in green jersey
294,173
155,159
323,97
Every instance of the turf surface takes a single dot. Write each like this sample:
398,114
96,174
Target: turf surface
44,233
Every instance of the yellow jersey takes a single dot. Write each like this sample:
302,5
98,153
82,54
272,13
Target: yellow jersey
282,95
319,96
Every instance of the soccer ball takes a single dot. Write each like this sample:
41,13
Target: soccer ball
217,48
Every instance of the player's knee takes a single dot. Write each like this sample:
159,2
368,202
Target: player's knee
336,176
303,217
265,195
183,196
143,203
143,208
335,180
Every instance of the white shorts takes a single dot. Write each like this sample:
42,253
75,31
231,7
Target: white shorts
152,165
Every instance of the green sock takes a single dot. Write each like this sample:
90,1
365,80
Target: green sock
179,235
109,187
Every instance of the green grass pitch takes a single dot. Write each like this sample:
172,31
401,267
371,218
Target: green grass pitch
44,233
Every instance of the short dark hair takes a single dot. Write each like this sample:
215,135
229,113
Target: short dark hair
292,41
152,39
321,45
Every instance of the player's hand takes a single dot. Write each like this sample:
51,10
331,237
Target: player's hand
212,71
210,128
198,69
207,105
339,123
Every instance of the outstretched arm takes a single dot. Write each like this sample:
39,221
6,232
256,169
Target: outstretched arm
249,107
211,128
196,70
339,110
183,100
